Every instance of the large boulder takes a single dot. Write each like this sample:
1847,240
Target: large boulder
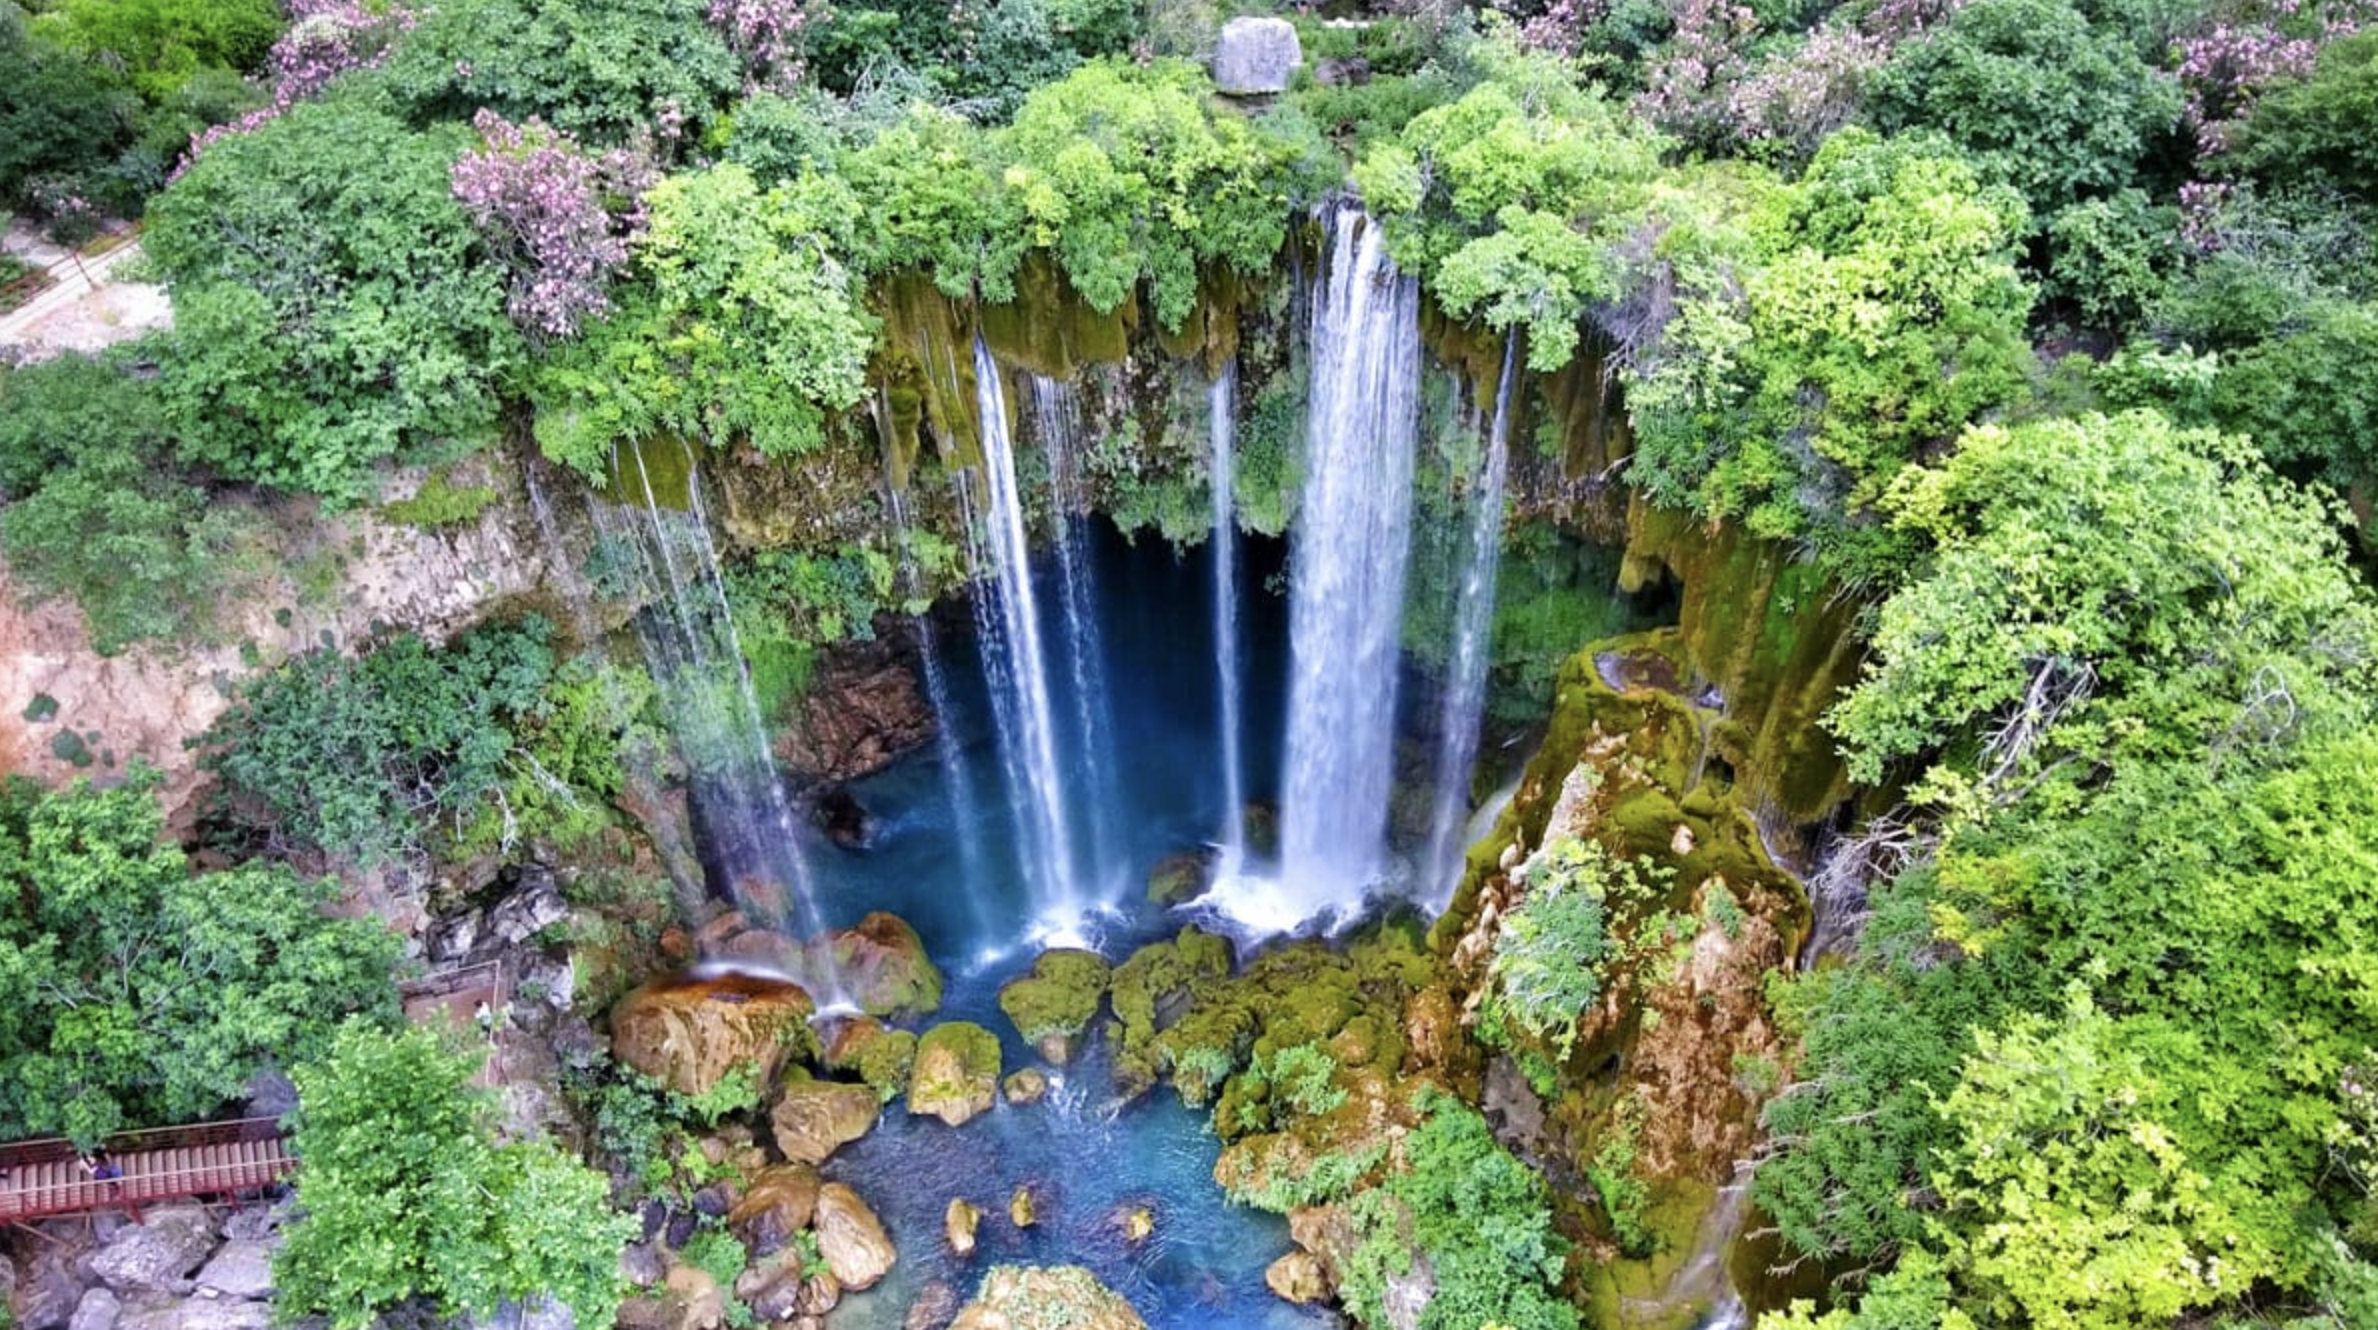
1053,1005
157,1256
690,1033
1298,1278
777,1203
812,1119
240,1269
882,964
956,1074
880,1055
100,1309
1027,1297
1256,57
851,1239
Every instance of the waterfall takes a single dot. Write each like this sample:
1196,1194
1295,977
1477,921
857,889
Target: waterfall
1346,586
1464,692
1221,414
956,782
1058,416
1007,617
696,657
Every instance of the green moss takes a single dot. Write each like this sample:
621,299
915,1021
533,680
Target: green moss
69,747
974,1052
41,709
440,503
1059,998
884,1063
659,468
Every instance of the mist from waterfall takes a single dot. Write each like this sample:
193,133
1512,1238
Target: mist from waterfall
1056,415
1015,663
691,646
956,783
1462,699
1347,560
1222,428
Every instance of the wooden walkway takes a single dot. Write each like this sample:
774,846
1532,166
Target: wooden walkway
47,1177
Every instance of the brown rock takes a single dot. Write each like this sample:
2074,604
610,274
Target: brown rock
692,1300
958,1225
689,1033
936,1303
1021,1209
1028,1086
882,964
1298,1278
812,1119
851,1238
862,711
1022,1297
778,1203
956,1073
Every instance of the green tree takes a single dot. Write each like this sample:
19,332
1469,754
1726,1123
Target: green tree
60,115
141,992
600,72
404,1194
743,325
161,44
332,307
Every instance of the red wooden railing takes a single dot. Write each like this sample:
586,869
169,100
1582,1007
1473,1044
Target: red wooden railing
48,1177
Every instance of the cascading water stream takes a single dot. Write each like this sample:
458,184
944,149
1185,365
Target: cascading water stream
696,655
956,782
1058,415
1007,615
1464,692
1222,425
1346,589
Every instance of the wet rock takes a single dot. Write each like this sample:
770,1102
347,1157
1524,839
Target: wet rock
851,1238
774,1289
239,1270
843,818
693,1299
1327,1232
958,1225
681,1228
882,964
1053,1005
1256,57
1023,1297
1138,1224
1342,72
1297,1277
935,1304
1022,1210
99,1310
712,1202
956,1075
812,1118
1028,1086
863,709
879,1056
157,1256
778,1203
1179,879
690,1034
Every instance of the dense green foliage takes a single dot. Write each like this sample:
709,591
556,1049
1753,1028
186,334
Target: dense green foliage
404,1195
140,991
330,307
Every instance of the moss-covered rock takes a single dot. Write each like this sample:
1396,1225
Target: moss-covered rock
812,1118
1053,1005
1028,1086
882,964
1061,1297
956,1075
877,1054
1179,879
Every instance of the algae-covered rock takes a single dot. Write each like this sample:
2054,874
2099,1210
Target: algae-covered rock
1058,1297
882,964
851,1239
1053,1005
1151,990
1179,879
688,1034
879,1056
1022,1210
1028,1086
1138,1223
956,1074
958,1225
812,1118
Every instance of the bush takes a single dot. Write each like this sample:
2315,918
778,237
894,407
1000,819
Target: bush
1553,952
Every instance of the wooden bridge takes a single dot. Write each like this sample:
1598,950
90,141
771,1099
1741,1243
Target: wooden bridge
47,1177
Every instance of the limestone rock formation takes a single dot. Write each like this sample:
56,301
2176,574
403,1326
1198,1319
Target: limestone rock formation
777,1203
1297,1277
956,1074
689,1034
851,1238
882,964
1027,1297
1256,56
1028,1086
862,711
958,1225
812,1119
157,1255
1053,1005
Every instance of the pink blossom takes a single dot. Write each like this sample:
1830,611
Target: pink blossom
556,216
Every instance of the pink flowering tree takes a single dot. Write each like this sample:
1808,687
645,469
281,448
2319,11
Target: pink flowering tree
2224,66
766,34
558,218
325,39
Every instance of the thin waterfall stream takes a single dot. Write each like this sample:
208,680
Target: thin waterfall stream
1221,431
1057,415
1464,692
